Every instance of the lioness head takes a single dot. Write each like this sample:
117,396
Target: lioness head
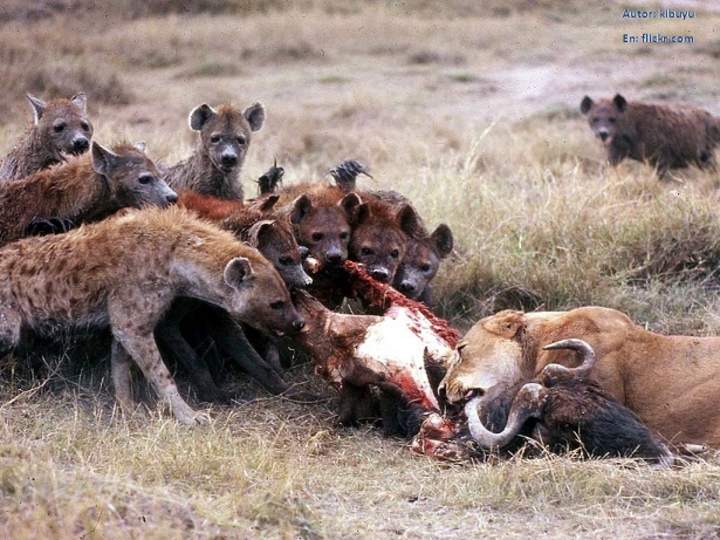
494,352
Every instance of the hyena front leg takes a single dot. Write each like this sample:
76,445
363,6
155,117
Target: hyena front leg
132,321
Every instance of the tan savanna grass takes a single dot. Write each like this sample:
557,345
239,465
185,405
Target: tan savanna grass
471,111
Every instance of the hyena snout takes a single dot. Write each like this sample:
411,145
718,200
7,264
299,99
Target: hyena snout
603,134
380,273
229,158
79,144
408,288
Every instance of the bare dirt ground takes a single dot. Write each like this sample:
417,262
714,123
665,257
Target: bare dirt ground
471,110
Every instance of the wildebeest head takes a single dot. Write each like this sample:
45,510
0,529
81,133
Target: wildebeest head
498,350
604,116
225,133
63,124
131,176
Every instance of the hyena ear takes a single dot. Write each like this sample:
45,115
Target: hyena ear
586,104
506,324
140,146
237,272
80,101
350,203
620,102
103,160
362,214
442,239
38,107
269,203
200,115
301,208
409,220
261,233
255,115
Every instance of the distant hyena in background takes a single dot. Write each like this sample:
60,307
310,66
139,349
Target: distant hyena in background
60,127
214,167
666,137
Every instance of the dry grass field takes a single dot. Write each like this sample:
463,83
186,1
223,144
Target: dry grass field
472,111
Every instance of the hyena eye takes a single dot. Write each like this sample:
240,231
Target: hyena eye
59,127
240,140
425,267
366,251
277,305
215,139
595,120
286,260
395,253
146,179
344,235
317,236
85,126
612,120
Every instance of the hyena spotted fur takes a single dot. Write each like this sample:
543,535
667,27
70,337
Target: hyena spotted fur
224,139
667,137
85,189
60,128
124,273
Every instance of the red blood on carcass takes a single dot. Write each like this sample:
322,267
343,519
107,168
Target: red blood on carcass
382,296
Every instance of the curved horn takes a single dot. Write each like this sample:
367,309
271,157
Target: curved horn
552,372
528,403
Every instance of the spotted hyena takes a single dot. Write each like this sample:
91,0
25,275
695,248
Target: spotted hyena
60,128
225,135
123,273
666,137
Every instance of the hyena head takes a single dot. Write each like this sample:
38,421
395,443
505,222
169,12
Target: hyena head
259,296
225,133
422,260
131,176
380,237
605,117
324,229
62,124
276,241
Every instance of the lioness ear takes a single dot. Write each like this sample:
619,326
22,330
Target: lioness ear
586,104
260,233
200,115
506,324
237,272
301,208
38,107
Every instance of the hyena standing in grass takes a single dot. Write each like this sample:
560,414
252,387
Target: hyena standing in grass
87,188
225,135
666,137
60,128
124,273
